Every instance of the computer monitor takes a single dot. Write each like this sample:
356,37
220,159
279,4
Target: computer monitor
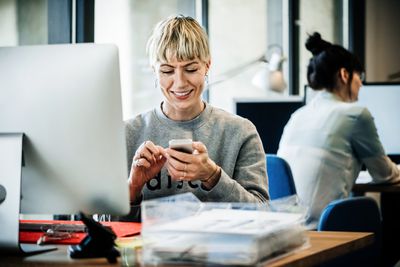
66,100
383,101
269,116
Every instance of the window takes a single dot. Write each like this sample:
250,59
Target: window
23,22
323,16
128,24
240,32
381,41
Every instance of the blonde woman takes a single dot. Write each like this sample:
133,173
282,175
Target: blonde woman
228,160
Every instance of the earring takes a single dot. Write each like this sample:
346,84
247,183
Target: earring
156,83
206,80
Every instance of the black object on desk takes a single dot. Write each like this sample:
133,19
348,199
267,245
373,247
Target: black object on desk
98,243
269,117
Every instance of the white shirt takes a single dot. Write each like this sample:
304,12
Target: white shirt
325,144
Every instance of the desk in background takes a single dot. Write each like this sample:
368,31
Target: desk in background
390,203
324,246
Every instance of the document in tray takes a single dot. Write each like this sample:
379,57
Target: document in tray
230,221
224,236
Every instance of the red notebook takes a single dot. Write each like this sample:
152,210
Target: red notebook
121,229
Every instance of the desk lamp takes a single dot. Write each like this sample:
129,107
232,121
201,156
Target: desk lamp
269,77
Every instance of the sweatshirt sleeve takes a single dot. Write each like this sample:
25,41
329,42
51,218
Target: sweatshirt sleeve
250,181
369,149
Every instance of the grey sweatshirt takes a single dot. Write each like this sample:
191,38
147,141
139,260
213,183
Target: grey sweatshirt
232,143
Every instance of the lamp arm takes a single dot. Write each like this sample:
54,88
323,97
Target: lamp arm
233,72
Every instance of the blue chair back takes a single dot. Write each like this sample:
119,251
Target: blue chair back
280,178
355,214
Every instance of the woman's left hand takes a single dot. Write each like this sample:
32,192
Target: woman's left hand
189,167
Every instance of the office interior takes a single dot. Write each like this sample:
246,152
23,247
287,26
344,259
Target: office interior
240,32
262,27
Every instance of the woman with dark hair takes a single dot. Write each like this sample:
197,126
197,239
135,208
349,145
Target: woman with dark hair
327,141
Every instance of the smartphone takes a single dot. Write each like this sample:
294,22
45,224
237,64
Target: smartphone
183,145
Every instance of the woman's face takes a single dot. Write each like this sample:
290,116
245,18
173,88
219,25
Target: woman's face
182,84
355,85
348,89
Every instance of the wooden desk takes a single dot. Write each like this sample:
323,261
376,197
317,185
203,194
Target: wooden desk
323,247
390,203
380,188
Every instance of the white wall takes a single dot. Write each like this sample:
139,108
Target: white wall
238,34
8,23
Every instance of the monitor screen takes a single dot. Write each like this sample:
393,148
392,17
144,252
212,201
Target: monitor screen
66,99
270,117
383,101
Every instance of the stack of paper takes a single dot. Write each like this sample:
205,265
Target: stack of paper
223,236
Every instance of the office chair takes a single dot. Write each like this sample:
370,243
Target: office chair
280,177
356,214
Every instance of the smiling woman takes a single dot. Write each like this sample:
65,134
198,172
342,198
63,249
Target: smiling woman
217,169
182,84
180,68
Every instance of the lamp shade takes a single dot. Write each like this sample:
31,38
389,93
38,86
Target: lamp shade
276,81
271,77
268,78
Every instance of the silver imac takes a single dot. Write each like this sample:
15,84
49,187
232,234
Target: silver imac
66,101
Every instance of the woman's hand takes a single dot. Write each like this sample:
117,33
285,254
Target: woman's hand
196,166
147,163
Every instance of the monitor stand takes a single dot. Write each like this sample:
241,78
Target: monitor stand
10,196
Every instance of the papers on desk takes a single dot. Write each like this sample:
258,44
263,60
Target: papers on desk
222,236
228,221
32,230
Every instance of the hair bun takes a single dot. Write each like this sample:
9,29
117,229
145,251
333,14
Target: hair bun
315,44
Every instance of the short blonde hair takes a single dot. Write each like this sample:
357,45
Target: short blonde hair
178,37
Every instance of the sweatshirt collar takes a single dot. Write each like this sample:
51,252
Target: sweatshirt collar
193,123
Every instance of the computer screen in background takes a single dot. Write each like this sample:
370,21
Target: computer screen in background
66,100
383,101
269,116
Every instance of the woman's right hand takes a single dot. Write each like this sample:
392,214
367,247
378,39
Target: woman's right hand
146,164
